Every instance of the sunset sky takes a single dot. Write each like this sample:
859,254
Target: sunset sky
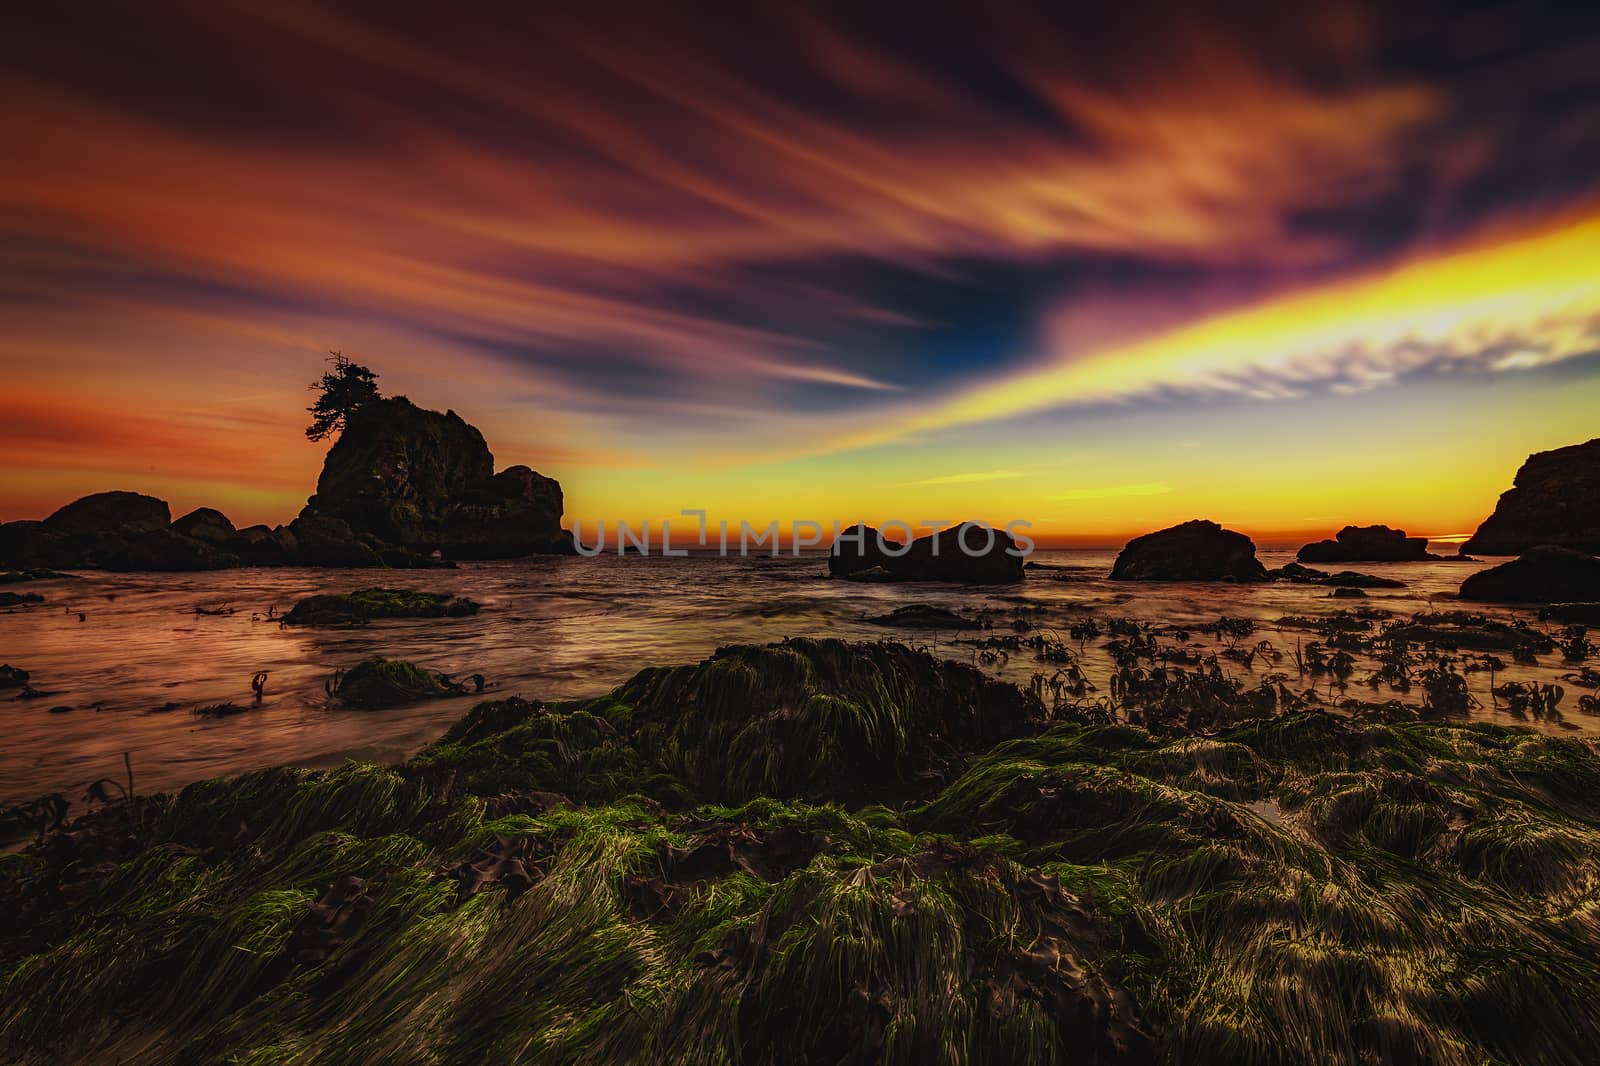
1284,267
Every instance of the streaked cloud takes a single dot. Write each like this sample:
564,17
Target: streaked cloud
1507,305
971,477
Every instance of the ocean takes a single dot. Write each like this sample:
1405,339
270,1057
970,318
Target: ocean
142,657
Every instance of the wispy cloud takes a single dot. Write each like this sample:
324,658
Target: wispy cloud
974,476
1496,307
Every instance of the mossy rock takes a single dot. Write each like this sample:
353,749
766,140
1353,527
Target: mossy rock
365,605
378,682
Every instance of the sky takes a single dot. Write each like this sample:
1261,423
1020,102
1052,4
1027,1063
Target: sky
1286,267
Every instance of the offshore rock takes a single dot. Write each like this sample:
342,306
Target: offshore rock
126,513
1194,551
424,481
1367,544
205,524
1555,499
1543,575
969,553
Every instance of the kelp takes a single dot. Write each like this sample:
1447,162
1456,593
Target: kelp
821,852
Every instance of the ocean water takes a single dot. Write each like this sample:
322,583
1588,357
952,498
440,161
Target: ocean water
141,658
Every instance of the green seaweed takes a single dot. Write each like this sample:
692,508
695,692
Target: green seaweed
821,852
365,605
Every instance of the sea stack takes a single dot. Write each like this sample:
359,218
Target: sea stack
1367,544
1555,499
1194,551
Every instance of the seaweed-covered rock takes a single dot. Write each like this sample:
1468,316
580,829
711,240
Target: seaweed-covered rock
1367,544
19,599
13,676
364,605
205,524
377,682
126,513
559,878
1582,613
925,616
1194,551
1555,499
16,577
1542,575
822,719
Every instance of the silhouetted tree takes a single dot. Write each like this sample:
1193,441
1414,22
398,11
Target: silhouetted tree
344,388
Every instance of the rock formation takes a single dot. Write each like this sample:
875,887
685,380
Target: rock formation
1555,499
969,553
423,481
1194,551
1367,544
399,485
1545,574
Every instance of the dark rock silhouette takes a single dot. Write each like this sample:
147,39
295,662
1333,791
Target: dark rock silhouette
1555,499
322,540
969,553
1305,575
126,513
264,546
205,524
1194,551
88,532
1580,613
855,550
401,484
424,482
516,512
165,549
1546,574
1367,544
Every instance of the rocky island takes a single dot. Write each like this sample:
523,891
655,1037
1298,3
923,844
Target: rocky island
401,487
1367,544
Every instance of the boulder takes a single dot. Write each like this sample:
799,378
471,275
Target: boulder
1545,574
970,553
856,550
263,546
125,513
1194,551
324,541
1367,544
163,549
28,545
1582,614
516,512
422,481
1305,575
205,524
1554,499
